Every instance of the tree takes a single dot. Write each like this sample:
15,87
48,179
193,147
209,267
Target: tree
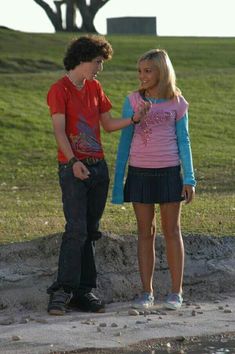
68,24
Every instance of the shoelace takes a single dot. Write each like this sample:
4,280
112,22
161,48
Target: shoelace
174,298
61,297
147,297
91,297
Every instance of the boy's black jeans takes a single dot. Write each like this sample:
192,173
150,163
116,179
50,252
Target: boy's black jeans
83,204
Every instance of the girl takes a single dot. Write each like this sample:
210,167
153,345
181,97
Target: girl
157,147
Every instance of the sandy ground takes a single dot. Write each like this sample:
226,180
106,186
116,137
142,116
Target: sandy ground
39,333
27,269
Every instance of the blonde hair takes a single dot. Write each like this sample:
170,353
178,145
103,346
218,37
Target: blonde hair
167,79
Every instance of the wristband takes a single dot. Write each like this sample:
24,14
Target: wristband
72,161
134,121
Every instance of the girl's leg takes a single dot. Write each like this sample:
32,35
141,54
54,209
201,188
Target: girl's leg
170,218
145,216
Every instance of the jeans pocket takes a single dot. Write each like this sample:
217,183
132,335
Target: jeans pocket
65,173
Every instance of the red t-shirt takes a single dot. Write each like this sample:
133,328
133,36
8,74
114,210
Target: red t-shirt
82,109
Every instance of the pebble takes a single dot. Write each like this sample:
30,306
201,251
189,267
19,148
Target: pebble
180,339
193,313
163,313
228,311
114,324
88,322
220,307
140,322
103,324
41,320
133,312
118,334
24,320
154,312
7,322
16,338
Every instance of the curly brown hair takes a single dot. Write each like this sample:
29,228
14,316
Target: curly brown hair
87,48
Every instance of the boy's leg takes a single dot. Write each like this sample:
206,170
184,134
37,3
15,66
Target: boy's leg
74,197
96,200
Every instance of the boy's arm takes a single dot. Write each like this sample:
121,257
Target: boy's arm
111,124
58,121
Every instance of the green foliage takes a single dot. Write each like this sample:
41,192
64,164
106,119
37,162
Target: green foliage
30,63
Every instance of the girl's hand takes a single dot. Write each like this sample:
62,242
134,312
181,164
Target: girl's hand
188,193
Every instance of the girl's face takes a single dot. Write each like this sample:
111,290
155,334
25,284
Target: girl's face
148,75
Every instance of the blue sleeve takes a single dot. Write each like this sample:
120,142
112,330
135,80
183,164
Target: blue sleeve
122,155
185,153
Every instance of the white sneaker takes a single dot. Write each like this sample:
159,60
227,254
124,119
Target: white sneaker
144,302
174,301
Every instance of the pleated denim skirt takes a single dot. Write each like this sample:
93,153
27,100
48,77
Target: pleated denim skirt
153,185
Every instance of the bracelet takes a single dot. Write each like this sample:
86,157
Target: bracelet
72,161
134,121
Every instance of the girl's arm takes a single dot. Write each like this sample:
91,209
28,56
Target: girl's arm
185,154
122,155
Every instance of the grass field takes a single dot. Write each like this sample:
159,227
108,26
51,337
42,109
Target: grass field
29,192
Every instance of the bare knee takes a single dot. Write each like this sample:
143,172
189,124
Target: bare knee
147,233
172,233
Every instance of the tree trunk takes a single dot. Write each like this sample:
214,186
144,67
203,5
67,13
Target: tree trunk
71,16
54,17
87,12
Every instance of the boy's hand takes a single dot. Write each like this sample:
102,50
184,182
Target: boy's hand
143,109
80,170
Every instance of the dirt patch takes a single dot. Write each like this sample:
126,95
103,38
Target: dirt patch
27,269
19,65
208,310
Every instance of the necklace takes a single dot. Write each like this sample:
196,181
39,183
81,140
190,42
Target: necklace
151,96
76,84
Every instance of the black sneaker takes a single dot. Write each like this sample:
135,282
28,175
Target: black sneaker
58,302
87,302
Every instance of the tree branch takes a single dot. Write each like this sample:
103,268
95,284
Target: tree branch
55,17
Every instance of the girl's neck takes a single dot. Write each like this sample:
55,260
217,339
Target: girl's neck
152,94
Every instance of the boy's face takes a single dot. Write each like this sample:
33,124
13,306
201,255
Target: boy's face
90,69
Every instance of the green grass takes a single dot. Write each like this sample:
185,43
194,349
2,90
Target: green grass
29,192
